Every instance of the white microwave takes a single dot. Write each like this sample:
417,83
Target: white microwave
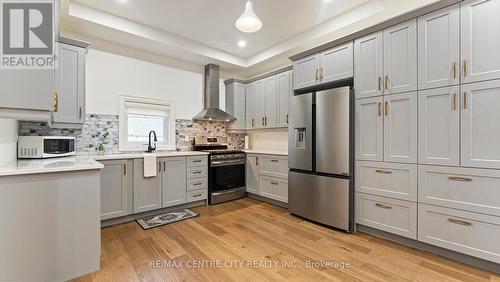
43,147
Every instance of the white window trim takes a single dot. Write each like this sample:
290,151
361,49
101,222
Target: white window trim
122,142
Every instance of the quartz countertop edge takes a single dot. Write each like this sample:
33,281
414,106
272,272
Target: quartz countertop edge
267,152
125,156
67,164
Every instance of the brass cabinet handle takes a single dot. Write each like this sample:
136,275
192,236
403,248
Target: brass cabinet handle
197,195
379,83
454,70
56,102
465,67
460,222
274,161
80,112
454,103
465,100
274,183
379,106
386,108
321,74
316,74
124,169
383,206
463,179
383,171
386,82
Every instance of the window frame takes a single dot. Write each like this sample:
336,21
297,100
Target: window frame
124,145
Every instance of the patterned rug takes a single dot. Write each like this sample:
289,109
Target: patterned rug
153,221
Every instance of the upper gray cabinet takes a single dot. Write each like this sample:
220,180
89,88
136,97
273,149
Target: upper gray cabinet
284,82
326,66
480,42
400,58
369,65
271,102
249,105
69,96
235,104
438,48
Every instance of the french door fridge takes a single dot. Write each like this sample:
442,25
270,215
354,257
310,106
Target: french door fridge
321,157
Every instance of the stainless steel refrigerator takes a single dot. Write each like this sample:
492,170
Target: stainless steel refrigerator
321,157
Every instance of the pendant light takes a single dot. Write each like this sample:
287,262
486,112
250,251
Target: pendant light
248,21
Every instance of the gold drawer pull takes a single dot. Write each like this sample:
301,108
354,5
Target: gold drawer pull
460,222
379,105
465,67
463,179
386,82
379,83
386,108
383,206
383,171
454,70
454,106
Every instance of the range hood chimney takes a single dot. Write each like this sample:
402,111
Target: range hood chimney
211,109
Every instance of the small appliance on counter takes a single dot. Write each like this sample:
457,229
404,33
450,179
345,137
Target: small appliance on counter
226,169
44,147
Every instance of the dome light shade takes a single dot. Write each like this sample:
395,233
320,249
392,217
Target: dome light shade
248,21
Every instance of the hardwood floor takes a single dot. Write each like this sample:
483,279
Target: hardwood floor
270,244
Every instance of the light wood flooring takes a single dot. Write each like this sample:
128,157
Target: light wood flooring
272,246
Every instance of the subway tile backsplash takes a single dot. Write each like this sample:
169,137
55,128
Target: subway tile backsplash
87,138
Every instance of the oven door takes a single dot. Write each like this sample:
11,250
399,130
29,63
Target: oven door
227,177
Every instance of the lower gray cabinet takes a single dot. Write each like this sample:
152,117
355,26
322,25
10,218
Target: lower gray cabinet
147,190
173,181
115,193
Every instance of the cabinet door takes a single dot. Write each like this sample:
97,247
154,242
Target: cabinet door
369,66
480,124
147,190
70,85
369,129
400,58
284,92
439,126
235,104
480,40
252,174
114,189
400,128
274,188
271,102
337,63
259,105
249,105
27,89
306,72
173,181
438,48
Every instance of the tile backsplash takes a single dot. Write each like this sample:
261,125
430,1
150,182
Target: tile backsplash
87,138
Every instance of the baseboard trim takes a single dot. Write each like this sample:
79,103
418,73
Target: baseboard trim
132,217
267,200
466,259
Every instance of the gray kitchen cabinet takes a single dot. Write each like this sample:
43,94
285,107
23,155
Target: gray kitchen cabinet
438,48
259,104
284,89
235,104
173,181
271,102
306,72
249,105
479,40
252,174
115,190
69,107
147,190
369,65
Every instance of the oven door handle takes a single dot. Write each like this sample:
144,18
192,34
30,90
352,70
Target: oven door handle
227,163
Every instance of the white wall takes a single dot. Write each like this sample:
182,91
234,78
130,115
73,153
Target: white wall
269,140
109,75
8,141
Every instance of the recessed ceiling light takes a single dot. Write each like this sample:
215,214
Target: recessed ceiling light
242,43
326,1
122,1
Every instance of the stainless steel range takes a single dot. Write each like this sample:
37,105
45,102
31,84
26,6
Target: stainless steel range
226,169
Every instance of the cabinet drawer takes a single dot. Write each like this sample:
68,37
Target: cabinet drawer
197,183
197,161
465,232
274,166
389,180
196,195
274,188
197,172
391,215
476,190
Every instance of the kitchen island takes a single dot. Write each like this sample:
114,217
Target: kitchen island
49,213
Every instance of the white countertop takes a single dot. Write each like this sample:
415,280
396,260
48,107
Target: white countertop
267,152
159,154
23,167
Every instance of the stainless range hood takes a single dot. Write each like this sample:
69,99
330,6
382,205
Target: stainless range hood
211,109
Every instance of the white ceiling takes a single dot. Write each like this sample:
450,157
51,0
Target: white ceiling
202,31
